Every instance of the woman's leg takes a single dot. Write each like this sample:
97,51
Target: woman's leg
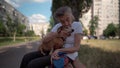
28,57
69,65
78,64
40,62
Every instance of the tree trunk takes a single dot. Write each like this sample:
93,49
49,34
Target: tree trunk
75,10
119,30
119,21
14,36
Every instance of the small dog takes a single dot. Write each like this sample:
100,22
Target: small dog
57,42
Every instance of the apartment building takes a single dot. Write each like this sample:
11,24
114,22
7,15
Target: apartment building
107,12
39,28
8,10
85,20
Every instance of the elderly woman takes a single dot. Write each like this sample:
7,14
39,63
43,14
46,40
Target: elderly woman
71,47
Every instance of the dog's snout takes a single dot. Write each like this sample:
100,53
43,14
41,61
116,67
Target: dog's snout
72,30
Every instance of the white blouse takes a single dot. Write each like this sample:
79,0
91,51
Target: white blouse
70,40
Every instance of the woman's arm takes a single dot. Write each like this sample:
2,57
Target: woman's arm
77,39
76,47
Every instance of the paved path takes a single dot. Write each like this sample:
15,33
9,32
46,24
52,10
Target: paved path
10,57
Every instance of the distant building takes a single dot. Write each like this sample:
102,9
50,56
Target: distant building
8,10
106,10
39,28
85,20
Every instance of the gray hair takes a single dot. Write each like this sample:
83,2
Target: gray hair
62,11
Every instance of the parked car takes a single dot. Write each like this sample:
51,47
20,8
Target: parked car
85,37
102,37
92,37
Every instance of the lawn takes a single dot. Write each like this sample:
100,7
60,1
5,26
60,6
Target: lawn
100,53
4,41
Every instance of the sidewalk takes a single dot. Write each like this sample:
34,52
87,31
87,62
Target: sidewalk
11,56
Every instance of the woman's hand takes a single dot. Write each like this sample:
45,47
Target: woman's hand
55,54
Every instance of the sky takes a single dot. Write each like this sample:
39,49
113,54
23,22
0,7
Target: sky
36,10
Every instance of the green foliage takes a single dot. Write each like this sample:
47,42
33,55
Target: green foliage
51,24
110,30
85,31
20,29
9,25
93,24
2,29
14,27
29,33
117,29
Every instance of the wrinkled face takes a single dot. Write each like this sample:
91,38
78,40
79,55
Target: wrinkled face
65,31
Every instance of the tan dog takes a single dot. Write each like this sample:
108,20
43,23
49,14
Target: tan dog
57,42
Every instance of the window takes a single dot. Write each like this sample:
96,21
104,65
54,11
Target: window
14,13
2,6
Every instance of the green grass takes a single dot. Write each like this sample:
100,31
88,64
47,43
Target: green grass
4,41
100,53
93,53
107,45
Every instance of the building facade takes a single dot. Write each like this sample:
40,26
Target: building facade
8,10
85,20
107,12
39,28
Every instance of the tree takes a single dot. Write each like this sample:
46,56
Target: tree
29,33
79,7
85,31
51,24
42,33
2,29
13,26
9,26
93,24
110,30
119,21
20,29
117,29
